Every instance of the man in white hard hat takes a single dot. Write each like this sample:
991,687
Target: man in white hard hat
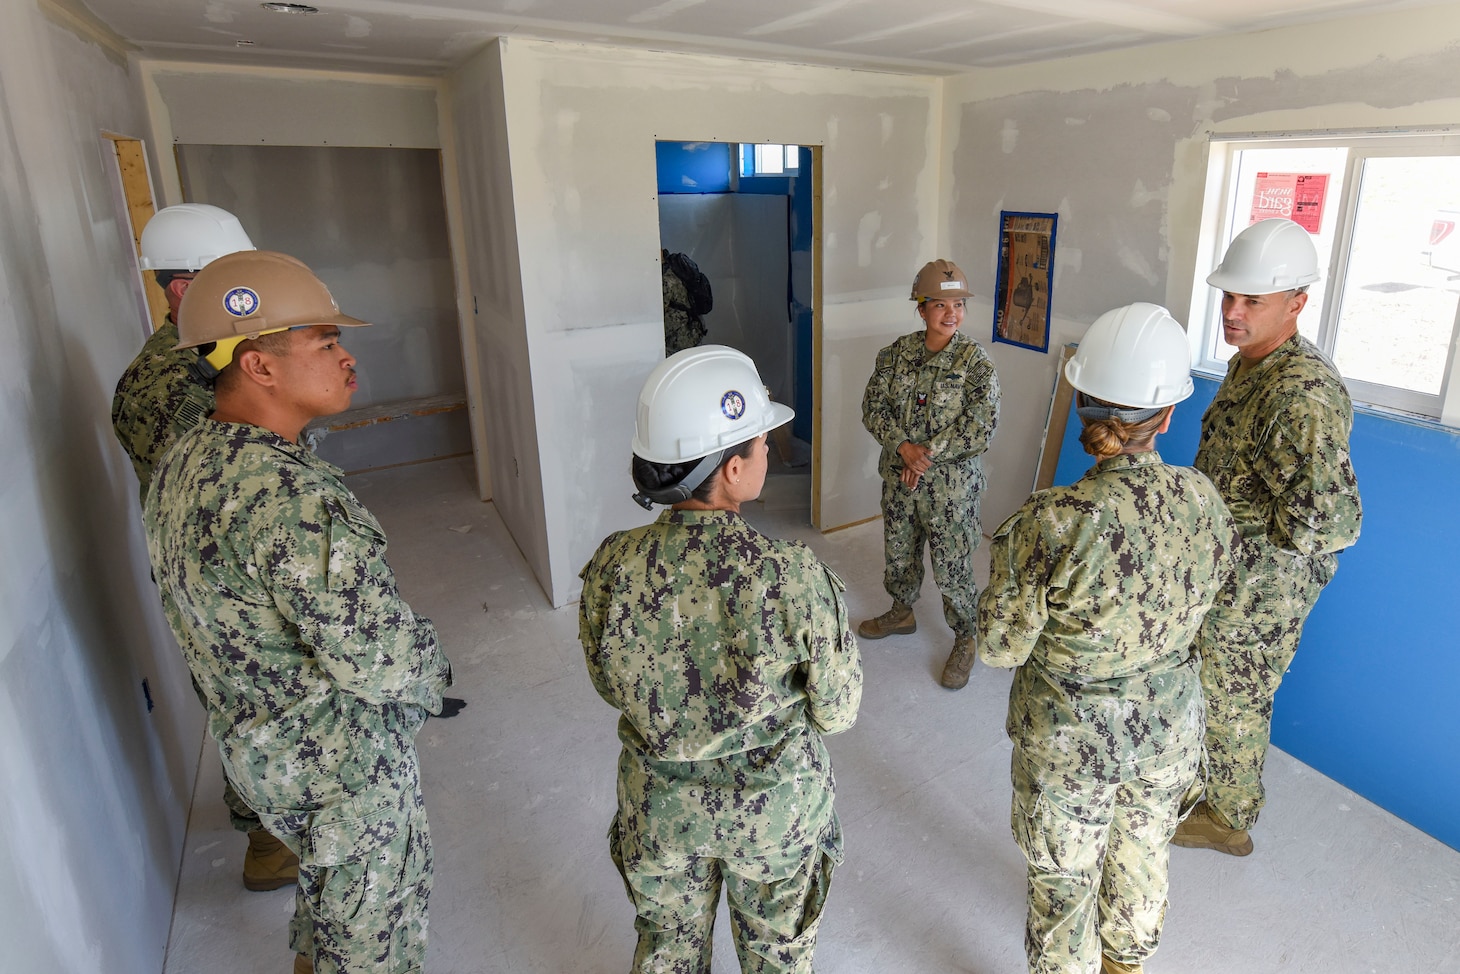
163,394
1275,441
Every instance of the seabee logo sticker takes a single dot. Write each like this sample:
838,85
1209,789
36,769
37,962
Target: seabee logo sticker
241,302
732,404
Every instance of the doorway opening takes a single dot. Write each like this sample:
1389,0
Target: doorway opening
747,215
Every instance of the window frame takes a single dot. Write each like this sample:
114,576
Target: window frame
1222,211
749,155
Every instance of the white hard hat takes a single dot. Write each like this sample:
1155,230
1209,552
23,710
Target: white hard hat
187,236
702,400
1269,256
1135,356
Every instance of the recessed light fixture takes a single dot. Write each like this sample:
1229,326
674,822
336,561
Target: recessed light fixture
290,8
243,43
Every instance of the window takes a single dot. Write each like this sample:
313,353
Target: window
769,159
1384,213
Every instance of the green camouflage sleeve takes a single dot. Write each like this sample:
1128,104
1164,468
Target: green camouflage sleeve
969,435
333,584
881,414
834,670
592,605
1305,464
1012,610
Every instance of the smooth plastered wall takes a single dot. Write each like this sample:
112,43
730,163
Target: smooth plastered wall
96,788
1116,145
581,123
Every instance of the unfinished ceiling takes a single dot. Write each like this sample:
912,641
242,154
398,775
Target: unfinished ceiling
927,37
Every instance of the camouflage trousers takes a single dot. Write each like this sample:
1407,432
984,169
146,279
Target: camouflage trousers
1246,643
775,905
943,514
364,880
1097,857
240,813
244,818
681,330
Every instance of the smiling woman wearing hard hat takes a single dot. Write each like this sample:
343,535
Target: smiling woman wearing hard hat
728,656
932,402
1095,592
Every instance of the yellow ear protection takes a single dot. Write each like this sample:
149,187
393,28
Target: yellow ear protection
214,357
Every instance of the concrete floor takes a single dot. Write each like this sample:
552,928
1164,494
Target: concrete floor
519,788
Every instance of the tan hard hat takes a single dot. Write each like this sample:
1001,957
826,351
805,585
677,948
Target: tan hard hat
252,293
940,279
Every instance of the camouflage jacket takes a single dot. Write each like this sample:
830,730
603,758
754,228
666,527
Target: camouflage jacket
157,400
948,401
682,327
315,671
1275,442
1096,591
723,650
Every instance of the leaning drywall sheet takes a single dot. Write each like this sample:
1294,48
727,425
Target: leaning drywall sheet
489,228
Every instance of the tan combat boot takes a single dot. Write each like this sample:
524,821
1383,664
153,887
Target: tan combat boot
1203,830
268,863
303,965
1109,965
960,662
897,620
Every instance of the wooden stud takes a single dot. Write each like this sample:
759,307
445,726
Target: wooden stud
137,188
818,387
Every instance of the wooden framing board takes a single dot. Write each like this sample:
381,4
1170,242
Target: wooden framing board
137,189
1054,423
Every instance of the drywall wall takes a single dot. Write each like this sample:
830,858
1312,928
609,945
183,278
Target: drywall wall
1116,145
581,124
96,788
498,323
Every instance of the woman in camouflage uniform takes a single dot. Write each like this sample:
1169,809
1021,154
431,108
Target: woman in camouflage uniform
932,402
728,656
1095,593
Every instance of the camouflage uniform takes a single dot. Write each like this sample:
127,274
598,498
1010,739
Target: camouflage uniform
728,656
317,676
949,402
157,400
682,327
1095,592
1275,442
